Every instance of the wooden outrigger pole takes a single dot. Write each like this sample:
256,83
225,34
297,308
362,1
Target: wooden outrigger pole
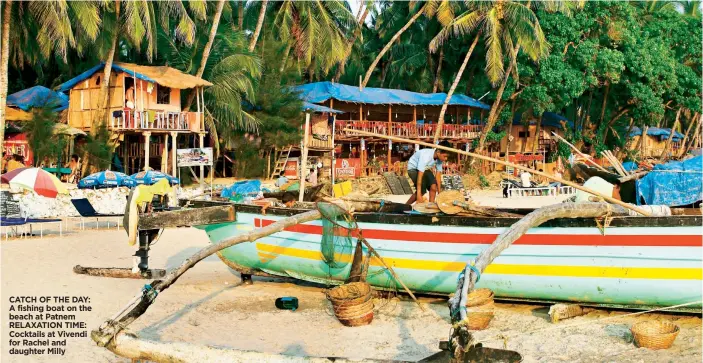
516,166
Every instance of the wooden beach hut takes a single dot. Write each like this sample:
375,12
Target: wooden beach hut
144,105
654,142
391,112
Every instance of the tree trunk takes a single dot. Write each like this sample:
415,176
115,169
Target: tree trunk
627,137
605,102
435,85
259,24
671,136
694,119
4,58
440,122
388,46
240,15
107,71
350,45
285,57
206,53
493,115
510,131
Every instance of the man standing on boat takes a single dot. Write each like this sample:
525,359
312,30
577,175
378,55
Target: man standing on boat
420,170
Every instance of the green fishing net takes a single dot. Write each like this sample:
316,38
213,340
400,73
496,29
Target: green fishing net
338,228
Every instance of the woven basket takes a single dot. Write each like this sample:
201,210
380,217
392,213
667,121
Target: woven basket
654,334
479,297
353,293
354,315
479,320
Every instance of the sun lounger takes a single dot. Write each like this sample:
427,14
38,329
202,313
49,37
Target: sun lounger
86,210
15,222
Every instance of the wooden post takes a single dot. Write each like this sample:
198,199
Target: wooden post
174,146
164,156
202,167
304,158
671,136
147,136
390,112
688,130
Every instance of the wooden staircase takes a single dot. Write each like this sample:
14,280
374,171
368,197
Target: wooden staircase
281,161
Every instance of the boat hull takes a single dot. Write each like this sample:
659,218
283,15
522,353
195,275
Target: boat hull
638,262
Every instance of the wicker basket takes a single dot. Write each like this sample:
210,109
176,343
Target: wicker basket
479,320
479,297
654,334
352,303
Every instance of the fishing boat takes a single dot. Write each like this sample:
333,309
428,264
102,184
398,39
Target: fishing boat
633,262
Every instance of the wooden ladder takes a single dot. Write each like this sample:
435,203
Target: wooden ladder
281,161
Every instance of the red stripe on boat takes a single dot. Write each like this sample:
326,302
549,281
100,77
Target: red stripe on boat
528,239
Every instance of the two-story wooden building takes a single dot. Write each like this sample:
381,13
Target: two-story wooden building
144,109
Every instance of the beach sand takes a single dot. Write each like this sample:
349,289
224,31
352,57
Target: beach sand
209,306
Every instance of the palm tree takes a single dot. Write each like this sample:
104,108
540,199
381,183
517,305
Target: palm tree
259,24
5,48
206,51
514,27
315,31
350,44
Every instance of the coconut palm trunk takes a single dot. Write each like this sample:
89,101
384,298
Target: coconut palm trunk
350,45
388,46
440,59
206,52
259,25
107,71
493,115
440,123
5,47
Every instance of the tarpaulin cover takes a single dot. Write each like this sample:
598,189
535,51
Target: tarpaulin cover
630,166
673,184
548,119
318,108
656,131
244,187
322,91
38,96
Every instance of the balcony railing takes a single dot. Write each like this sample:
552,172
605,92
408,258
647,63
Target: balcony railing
407,129
154,120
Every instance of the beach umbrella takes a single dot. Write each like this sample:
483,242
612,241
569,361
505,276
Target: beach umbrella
150,177
106,179
36,179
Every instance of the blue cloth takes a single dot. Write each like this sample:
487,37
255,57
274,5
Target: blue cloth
106,179
665,186
322,91
244,187
423,160
89,73
151,177
656,131
38,96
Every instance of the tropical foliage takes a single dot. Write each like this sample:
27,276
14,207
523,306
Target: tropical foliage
605,65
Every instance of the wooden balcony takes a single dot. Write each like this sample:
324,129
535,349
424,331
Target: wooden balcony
406,130
132,120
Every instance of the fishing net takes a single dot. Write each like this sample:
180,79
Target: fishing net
338,227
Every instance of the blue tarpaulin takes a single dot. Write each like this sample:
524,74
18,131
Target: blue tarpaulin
244,187
89,73
656,131
38,96
322,91
318,108
630,166
675,183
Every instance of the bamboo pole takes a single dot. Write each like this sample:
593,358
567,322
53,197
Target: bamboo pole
588,158
516,166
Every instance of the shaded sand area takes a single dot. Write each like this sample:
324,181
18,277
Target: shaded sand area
209,306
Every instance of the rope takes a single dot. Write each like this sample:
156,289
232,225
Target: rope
605,220
504,335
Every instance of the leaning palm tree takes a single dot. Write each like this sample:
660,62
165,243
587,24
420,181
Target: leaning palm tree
4,55
516,28
259,25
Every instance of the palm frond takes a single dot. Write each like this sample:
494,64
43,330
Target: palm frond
494,51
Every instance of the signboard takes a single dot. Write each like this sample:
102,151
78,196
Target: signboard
522,158
194,157
291,169
18,144
347,168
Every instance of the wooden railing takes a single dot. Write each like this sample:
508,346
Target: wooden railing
407,129
159,120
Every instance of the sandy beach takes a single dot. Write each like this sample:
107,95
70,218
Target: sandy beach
208,305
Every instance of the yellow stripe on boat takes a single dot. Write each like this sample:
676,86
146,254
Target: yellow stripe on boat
504,269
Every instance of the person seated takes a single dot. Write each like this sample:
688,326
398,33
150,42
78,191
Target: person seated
75,167
282,180
288,201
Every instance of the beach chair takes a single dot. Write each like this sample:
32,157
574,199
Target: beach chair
29,222
86,210
11,224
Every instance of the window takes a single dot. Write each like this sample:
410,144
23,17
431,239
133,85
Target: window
163,95
97,81
524,134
